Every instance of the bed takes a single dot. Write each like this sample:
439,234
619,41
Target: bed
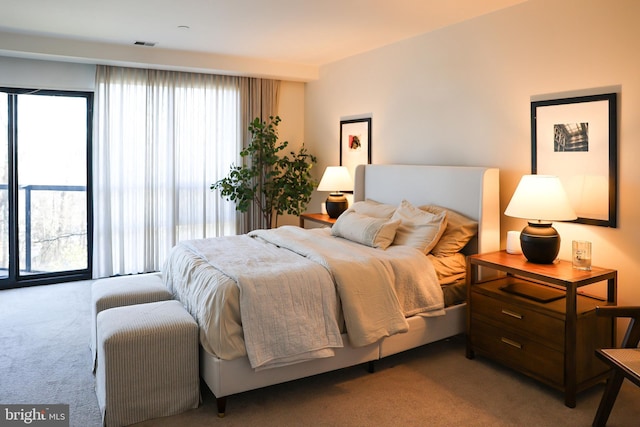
228,367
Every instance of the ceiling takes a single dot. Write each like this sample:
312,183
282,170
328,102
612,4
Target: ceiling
302,32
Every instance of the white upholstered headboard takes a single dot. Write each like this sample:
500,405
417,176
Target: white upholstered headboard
471,191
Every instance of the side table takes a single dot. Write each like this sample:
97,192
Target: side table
320,218
533,319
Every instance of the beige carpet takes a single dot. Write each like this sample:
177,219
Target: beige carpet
44,358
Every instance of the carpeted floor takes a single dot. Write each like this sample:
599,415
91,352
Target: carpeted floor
45,359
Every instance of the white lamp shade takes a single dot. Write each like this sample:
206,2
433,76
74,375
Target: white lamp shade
335,179
542,198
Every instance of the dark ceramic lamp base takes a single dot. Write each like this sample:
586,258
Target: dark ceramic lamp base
336,204
540,243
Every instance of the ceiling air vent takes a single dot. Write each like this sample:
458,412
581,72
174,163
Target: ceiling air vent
139,43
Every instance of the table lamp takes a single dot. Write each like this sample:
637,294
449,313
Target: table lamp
335,179
540,199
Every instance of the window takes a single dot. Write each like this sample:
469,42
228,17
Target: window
45,188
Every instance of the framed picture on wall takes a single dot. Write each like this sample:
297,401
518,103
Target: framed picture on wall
576,140
355,143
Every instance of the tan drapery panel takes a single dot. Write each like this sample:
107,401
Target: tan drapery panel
258,98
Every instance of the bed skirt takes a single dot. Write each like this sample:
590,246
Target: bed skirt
228,377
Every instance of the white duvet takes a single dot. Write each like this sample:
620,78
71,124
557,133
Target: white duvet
272,294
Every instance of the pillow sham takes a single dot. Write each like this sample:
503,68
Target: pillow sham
449,268
366,230
418,228
372,208
460,229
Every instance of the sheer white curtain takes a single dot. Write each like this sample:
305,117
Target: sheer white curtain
161,139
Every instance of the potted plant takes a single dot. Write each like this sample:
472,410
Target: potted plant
272,183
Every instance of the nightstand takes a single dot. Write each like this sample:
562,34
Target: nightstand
320,218
531,318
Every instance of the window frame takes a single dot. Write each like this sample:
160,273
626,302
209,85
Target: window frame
14,279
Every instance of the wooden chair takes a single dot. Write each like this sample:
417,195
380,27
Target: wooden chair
625,361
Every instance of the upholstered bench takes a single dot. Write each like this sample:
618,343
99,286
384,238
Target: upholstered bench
124,290
147,362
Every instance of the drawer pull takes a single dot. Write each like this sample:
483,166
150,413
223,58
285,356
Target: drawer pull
511,342
511,313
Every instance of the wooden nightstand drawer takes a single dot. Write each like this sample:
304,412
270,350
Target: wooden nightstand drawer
516,317
520,353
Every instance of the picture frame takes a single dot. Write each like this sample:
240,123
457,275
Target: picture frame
576,140
355,143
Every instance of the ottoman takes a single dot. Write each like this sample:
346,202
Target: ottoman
148,365
124,290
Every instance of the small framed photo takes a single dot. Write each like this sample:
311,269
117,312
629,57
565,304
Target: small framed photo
355,143
576,140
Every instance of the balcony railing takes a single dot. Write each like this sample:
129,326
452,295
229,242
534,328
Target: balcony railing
28,211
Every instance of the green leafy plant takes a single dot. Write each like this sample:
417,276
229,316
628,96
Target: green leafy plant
273,183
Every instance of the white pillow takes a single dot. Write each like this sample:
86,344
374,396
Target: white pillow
372,208
418,229
366,230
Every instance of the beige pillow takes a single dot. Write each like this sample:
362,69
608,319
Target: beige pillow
366,230
460,229
372,208
450,268
418,228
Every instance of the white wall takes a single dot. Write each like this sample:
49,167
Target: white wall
461,96
34,74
